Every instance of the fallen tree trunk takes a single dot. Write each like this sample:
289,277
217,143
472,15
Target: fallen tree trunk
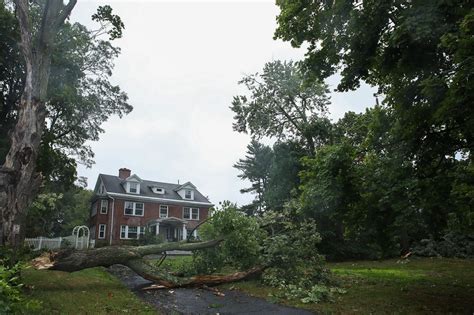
132,257
151,273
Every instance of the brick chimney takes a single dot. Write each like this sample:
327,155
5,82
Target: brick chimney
124,173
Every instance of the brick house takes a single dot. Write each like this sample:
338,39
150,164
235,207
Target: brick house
124,207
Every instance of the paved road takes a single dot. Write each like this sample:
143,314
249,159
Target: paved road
197,301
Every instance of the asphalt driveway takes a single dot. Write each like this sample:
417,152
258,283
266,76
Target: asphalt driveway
198,301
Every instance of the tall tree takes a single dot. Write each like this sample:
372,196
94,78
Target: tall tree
283,177
419,54
255,168
56,214
19,181
281,105
80,98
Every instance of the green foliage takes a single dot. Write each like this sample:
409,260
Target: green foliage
283,178
255,168
12,300
419,54
450,245
149,238
291,251
104,16
316,294
80,95
241,247
273,174
280,105
56,214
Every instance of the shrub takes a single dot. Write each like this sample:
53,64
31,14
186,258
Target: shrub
281,242
241,247
451,245
12,300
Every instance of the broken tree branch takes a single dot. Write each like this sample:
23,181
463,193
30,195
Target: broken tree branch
71,260
74,260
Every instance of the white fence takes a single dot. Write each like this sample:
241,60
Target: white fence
79,240
39,243
43,243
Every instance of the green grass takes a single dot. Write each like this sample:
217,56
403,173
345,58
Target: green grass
421,286
175,263
90,291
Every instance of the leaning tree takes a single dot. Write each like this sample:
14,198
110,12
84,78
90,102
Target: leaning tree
19,181
57,113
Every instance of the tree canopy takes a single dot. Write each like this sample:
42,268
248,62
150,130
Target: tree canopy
80,95
282,105
418,54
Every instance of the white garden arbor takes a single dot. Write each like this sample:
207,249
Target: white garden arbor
81,235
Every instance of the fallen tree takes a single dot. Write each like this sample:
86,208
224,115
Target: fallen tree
287,257
133,257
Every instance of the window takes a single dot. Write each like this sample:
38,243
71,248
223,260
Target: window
102,228
163,211
131,232
188,194
190,213
133,187
158,190
104,204
134,208
102,189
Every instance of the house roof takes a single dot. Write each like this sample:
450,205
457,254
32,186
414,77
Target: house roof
114,184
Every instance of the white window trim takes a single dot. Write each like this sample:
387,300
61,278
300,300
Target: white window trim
102,205
192,194
105,230
167,211
134,209
191,213
138,188
158,190
140,229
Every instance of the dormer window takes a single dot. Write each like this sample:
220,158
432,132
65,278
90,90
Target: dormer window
186,191
133,187
158,190
188,194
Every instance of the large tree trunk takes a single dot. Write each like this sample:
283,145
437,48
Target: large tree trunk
19,181
70,260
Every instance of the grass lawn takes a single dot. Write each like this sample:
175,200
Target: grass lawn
90,291
379,287
387,287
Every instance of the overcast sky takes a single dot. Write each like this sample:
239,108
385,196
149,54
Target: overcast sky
180,64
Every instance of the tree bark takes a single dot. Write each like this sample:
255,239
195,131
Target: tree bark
132,257
168,280
19,181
